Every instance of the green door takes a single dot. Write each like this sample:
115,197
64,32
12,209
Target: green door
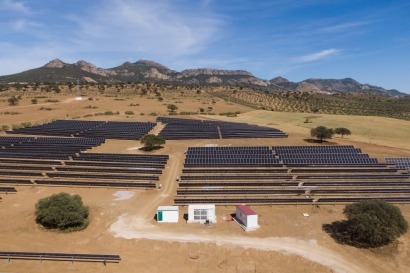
159,216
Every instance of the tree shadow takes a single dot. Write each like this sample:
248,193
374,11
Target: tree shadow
339,232
149,149
312,140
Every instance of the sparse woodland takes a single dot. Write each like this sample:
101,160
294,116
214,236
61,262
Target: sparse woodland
304,102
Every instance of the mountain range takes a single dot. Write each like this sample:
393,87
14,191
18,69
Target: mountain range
143,70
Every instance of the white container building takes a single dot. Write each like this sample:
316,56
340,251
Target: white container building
201,213
168,214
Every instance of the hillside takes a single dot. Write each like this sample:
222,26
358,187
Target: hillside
143,70
312,103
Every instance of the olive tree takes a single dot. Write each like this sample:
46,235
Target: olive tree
62,211
172,107
374,222
322,132
343,131
152,142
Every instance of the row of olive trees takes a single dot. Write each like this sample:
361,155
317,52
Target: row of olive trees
322,132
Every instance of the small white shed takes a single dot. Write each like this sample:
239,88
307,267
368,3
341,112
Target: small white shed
246,217
168,214
201,213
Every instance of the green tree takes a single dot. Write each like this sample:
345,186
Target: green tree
13,100
172,107
343,131
152,142
374,222
322,132
62,211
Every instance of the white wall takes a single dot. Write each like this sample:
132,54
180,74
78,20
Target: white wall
252,221
199,213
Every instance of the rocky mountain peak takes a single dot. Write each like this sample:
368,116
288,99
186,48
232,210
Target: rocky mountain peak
85,65
56,63
151,63
214,72
279,80
91,68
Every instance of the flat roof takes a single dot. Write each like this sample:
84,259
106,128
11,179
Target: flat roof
201,206
168,208
246,210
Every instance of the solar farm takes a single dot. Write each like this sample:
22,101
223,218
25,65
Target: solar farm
203,162
254,175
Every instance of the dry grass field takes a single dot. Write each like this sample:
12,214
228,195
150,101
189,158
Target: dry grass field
122,221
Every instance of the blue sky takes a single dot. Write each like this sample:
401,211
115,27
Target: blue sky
296,39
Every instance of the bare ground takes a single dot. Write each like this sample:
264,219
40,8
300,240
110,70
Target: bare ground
122,222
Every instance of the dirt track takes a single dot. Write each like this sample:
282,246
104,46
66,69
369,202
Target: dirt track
134,227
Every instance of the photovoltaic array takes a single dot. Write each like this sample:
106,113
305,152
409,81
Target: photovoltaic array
65,162
178,128
293,174
90,129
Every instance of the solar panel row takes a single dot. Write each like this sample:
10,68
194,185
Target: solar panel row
7,189
177,128
400,162
75,169
274,201
307,174
106,258
94,129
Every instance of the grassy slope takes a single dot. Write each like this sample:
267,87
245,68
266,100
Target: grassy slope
368,129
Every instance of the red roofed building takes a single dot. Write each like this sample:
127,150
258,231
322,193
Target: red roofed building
246,217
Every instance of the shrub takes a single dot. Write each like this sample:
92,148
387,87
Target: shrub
4,128
172,107
13,100
52,100
25,124
62,211
129,112
46,108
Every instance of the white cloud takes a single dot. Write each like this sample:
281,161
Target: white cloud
344,26
147,27
316,56
15,6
